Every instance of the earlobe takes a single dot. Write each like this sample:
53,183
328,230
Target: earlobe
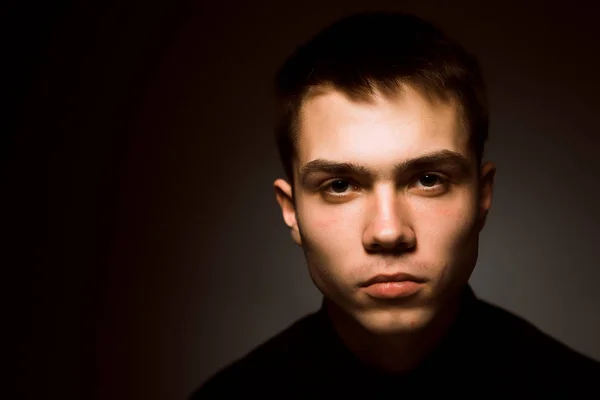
284,196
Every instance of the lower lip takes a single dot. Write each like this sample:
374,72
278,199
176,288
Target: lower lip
392,290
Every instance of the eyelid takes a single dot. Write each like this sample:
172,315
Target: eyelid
438,174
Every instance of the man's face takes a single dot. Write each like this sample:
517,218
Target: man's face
386,187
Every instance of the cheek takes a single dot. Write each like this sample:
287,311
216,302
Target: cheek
329,233
448,241
446,225
328,228
329,245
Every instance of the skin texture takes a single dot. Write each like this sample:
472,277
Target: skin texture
383,219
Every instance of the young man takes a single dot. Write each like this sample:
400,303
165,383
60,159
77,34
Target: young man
381,133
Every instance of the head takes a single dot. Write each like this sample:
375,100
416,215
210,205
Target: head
381,131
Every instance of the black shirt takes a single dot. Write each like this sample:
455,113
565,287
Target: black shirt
487,353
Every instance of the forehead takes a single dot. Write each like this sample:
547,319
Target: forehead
379,131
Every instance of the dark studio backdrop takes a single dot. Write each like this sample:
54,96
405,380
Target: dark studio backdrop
144,248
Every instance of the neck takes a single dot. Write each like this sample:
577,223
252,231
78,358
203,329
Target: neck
395,353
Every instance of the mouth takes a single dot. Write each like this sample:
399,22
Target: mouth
401,277
392,286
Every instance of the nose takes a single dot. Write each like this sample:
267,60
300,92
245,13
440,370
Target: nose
388,227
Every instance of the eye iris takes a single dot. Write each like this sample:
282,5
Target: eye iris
429,180
339,186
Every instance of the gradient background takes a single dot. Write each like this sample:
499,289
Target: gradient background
144,247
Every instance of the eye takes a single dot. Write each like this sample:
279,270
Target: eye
339,189
430,180
339,186
431,183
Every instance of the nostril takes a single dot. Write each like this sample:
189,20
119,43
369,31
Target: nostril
400,247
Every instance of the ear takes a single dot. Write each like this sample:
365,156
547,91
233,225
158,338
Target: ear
285,198
486,189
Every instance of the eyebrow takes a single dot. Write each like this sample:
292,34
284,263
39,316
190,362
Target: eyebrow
427,161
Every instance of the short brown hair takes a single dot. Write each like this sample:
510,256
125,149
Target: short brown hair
379,51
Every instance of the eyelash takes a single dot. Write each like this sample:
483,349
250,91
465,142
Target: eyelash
442,182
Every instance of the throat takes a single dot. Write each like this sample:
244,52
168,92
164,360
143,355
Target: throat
396,353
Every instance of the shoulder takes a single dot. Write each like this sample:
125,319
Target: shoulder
268,365
532,356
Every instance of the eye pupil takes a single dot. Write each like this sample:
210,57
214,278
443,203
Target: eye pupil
339,186
429,180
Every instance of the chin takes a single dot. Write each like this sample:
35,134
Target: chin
384,321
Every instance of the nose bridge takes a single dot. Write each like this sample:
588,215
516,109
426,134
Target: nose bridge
384,211
388,224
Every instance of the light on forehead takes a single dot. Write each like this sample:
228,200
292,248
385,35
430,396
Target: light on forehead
381,91
377,134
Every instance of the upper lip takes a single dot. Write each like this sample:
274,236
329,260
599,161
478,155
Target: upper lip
392,278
